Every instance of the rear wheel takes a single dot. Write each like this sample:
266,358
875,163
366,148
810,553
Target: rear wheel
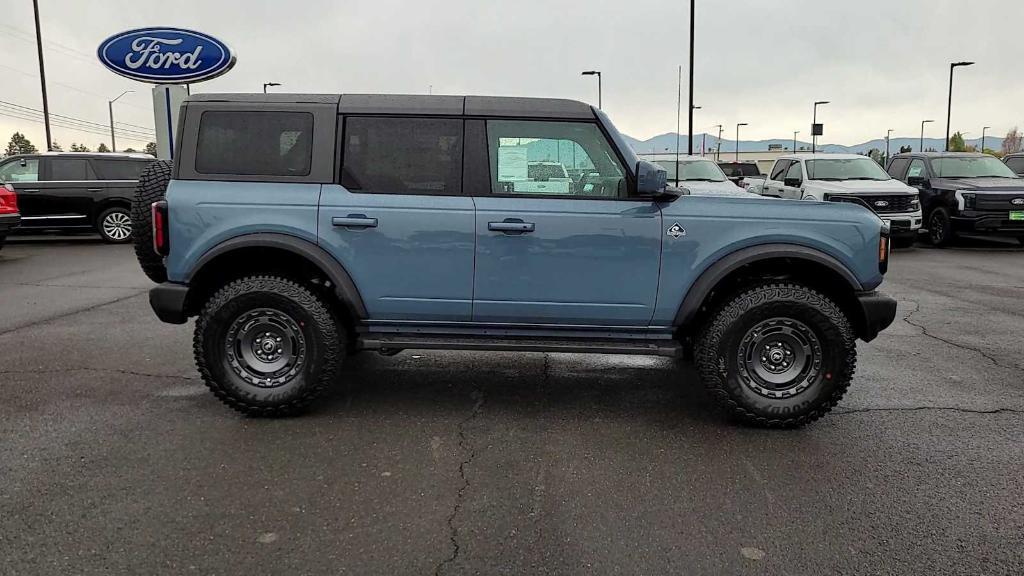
115,225
267,346
940,228
778,356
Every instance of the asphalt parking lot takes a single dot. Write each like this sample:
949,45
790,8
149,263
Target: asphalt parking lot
114,459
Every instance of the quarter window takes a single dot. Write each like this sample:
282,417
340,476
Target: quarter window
119,169
70,170
255,143
553,159
403,155
14,171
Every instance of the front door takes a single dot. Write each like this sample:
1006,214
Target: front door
793,181
558,239
398,221
22,174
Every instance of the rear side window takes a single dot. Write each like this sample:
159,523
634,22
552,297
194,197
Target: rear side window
403,155
119,169
70,170
255,143
897,167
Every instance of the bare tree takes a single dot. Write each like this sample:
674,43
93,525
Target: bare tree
1012,142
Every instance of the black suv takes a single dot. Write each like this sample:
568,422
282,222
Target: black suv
69,190
737,171
963,192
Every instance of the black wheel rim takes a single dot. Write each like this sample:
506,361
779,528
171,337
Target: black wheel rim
937,227
779,358
265,347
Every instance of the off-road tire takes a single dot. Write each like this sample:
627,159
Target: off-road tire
940,228
323,341
720,342
152,187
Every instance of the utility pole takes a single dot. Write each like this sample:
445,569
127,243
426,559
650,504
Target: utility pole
42,76
888,134
718,144
689,136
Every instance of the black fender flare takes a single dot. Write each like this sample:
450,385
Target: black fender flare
710,278
344,287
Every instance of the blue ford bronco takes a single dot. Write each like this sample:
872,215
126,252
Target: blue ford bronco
301,229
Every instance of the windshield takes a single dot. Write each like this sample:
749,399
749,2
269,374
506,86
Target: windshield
845,169
701,170
970,167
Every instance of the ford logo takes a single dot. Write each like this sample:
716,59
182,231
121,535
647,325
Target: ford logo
166,55
881,203
1017,201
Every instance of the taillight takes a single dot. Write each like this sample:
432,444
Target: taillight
8,200
161,232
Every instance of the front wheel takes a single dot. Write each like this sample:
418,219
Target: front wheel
267,346
778,356
115,225
940,228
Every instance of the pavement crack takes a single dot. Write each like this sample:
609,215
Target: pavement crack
924,332
464,446
923,408
100,370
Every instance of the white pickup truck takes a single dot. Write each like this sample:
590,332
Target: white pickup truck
847,178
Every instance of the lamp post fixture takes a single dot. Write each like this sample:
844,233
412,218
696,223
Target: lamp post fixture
738,139
949,108
983,138
888,133
923,122
598,74
795,132
814,121
110,110
265,84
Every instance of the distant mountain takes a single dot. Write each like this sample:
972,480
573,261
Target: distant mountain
666,144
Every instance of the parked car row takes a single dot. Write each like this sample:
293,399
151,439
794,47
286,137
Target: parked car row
75,191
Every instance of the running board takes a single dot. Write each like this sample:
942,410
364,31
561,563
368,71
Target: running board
396,342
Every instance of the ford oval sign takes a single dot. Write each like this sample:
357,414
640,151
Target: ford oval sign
166,55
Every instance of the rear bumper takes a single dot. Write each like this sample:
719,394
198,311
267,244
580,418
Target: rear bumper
9,222
877,312
168,302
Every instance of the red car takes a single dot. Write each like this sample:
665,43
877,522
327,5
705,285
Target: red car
9,216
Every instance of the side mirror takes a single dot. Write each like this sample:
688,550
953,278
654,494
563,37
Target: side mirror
916,180
23,163
792,182
651,179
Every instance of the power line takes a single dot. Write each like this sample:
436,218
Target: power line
69,86
59,124
23,113
86,123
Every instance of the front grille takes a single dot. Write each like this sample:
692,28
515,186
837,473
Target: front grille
999,201
891,204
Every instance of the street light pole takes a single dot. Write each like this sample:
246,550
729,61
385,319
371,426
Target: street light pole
110,109
923,122
738,139
983,138
949,108
598,74
689,138
795,132
718,144
888,133
265,84
814,121
42,76
679,113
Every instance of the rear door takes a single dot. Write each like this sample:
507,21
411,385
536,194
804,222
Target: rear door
66,192
398,220
587,255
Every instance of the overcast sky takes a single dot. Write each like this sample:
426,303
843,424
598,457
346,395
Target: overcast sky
883,64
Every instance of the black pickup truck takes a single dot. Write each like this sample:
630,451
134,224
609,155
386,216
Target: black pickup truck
963,193
70,190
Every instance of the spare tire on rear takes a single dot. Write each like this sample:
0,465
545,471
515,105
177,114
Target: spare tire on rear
151,188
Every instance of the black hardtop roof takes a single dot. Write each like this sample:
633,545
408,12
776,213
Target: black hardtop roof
940,154
503,106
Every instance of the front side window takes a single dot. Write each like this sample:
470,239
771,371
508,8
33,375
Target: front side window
70,170
255,143
917,169
897,166
403,155
20,171
701,171
795,172
1016,164
845,169
553,159
970,167
779,169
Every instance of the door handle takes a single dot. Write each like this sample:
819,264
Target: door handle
94,189
511,226
32,190
354,221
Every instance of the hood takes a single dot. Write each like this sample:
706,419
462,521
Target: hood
726,188
887,187
980,184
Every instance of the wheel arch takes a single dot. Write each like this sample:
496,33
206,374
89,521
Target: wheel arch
272,253
744,267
